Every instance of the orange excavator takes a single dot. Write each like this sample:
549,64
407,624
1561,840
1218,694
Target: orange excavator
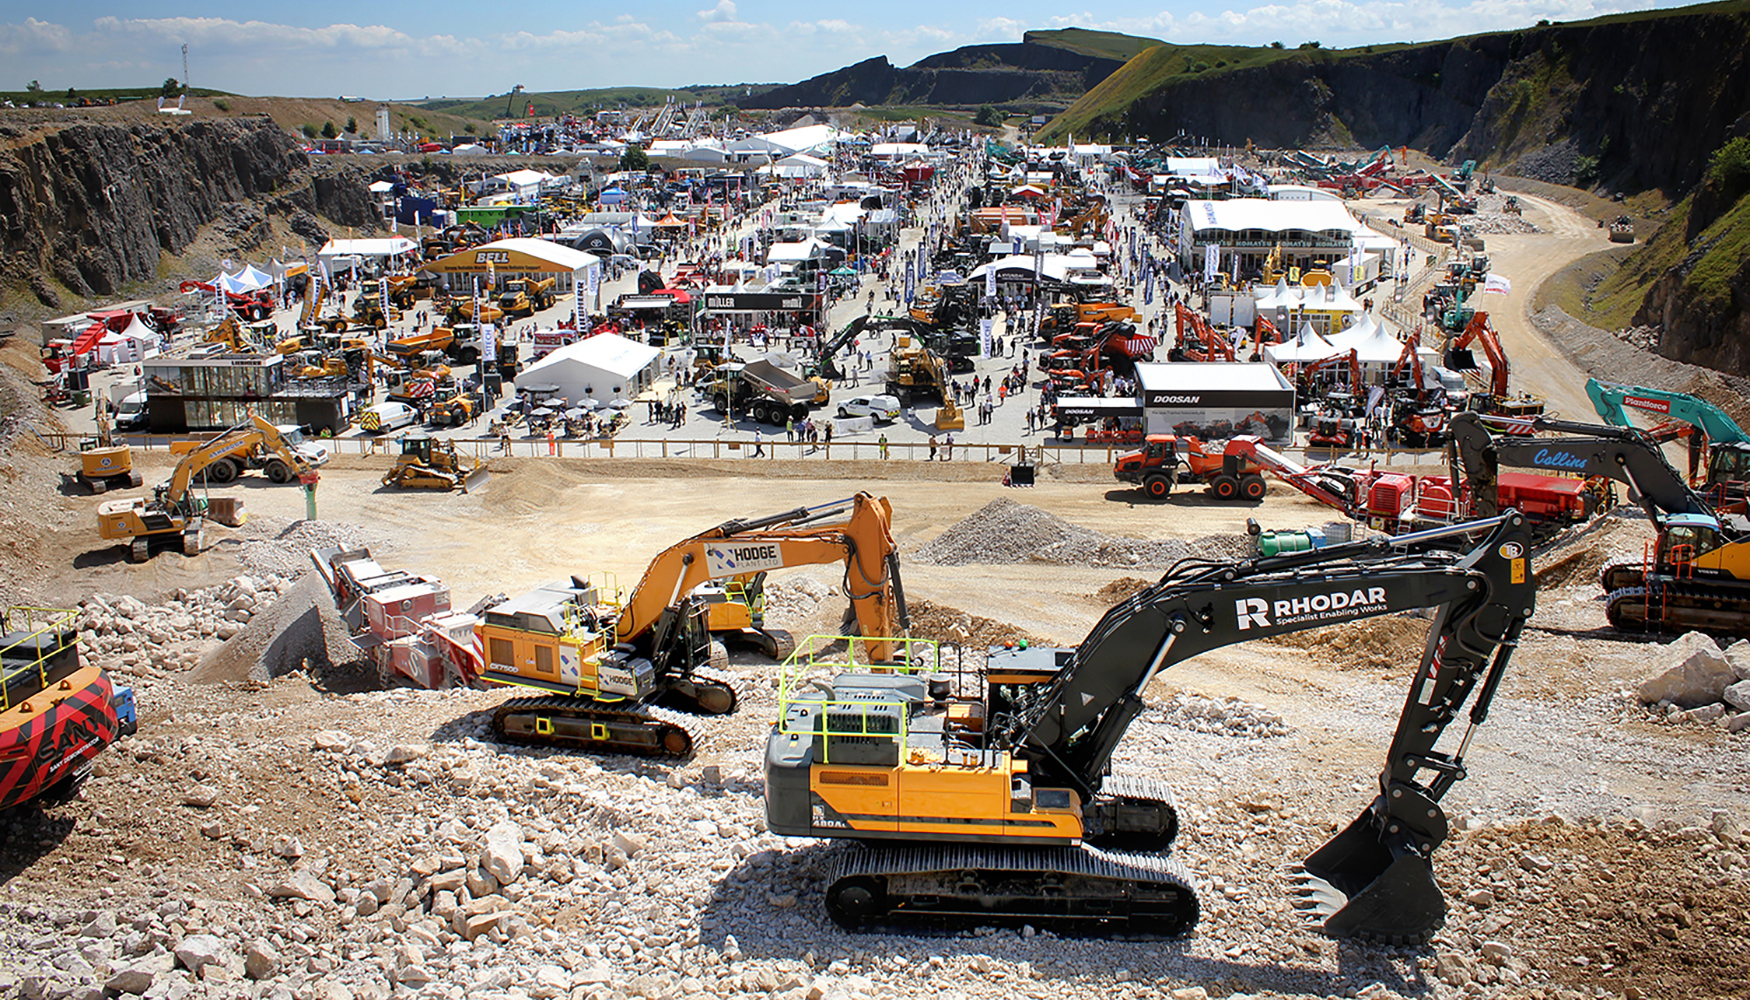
1497,401
1206,344
606,669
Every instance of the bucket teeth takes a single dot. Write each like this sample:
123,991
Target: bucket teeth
1315,898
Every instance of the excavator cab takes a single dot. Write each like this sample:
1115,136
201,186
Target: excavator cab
1686,537
1728,470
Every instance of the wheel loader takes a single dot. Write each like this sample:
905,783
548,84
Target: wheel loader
429,464
988,795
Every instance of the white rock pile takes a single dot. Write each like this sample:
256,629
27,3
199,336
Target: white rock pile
1701,684
1220,716
1004,531
127,636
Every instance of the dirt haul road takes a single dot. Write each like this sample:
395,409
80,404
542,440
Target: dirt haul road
1539,366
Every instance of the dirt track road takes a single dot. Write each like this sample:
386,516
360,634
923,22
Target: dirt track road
1538,366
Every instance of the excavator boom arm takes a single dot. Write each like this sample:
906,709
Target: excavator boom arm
863,542
1610,400
1622,454
1485,597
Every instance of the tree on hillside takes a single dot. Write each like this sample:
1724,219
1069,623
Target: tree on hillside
634,158
352,125
171,86
329,131
34,87
988,116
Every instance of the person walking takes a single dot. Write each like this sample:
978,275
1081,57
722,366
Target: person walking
883,443
759,444
948,448
932,447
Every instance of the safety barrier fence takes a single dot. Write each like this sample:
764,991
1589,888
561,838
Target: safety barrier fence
1049,451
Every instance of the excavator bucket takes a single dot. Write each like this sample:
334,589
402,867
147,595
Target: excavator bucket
1359,885
1460,359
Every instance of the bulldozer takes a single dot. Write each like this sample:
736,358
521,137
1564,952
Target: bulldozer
429,464
522,297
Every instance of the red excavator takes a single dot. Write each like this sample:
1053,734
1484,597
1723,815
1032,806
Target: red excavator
1497,401
1206,344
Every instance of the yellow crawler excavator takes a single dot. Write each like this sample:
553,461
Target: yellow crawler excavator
987,795
611,670
175,515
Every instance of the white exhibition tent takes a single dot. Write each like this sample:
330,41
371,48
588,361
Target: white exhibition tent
249,279
525,182
1306,346
604,368
793,252
136,343
1353,335
341,254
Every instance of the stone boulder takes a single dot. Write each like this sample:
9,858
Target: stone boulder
1696,673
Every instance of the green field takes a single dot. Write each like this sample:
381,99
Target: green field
1101,109
1107,44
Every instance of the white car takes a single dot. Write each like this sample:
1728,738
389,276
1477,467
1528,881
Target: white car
387,416
884,409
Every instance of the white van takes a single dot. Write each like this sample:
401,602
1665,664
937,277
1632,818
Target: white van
130,413
385,417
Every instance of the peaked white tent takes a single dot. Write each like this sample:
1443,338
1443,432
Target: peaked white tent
1306,346
136,343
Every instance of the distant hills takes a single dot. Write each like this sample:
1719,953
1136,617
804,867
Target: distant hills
1050,67
584,102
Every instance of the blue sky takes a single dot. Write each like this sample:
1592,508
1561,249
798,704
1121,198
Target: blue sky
403,49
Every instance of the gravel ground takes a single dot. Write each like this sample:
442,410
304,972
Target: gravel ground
298,838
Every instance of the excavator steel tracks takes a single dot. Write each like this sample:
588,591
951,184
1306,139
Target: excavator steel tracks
1678,606
558,721
1067,888
1142,813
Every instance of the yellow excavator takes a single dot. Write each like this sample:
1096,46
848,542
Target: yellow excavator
103,464
174,514
605,666
989,795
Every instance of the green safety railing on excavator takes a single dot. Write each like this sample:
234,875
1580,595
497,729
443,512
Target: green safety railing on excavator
18,635
821,654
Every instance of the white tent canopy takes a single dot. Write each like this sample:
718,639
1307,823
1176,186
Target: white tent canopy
604,367
1353,336
1306,346
136,343
1379,347
343,253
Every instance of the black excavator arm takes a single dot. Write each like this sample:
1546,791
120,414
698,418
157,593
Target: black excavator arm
1376,875
1620,453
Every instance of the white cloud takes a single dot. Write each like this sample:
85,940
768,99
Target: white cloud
34,35
724,11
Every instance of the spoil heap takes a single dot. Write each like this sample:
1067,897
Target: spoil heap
300,631
1004,531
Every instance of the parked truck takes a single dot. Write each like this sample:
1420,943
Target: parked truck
761,389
